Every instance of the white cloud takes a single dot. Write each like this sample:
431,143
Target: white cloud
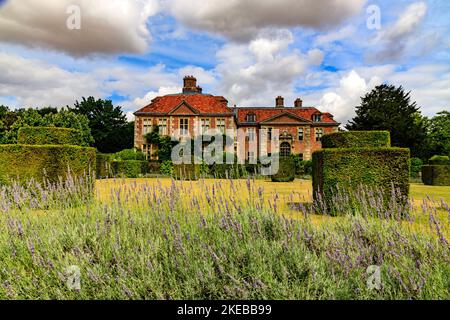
400,37
34,83
107,26
255,73
333,36
242,20
162,91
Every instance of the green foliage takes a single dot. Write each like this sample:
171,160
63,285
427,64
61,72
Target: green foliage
186,171
108,124
129,154
44,163
302,167
12,121
355,139
347,169
103,168
166,168
227,171
49,135
129,168
204,168
439,133
286,170
436,175
390,108
439,160
415,167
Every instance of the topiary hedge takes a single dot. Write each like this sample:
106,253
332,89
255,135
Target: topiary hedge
439,160
49,136
186,171
340,169
356,139
129,168
226,171
103,167
286,170
437,173
44,163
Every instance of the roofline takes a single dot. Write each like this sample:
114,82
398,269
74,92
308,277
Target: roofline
319,124
200,114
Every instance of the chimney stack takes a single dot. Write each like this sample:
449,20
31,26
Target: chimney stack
279,102
298,103
190,85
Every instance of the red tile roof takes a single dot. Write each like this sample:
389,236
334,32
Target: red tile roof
203,103
263,114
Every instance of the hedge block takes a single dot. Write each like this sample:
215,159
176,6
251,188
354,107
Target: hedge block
354,158
104,167
224,170
439,160
129,168
186,171
49,135
286,170
357,139
44,163
436,175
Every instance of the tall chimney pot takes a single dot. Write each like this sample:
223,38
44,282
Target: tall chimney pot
298,103
279,102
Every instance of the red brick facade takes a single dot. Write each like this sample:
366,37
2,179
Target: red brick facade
300,128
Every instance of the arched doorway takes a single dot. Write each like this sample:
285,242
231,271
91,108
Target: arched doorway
285,149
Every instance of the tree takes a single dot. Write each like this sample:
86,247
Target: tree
108,124
439,134
390,108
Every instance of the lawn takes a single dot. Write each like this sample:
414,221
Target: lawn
215,239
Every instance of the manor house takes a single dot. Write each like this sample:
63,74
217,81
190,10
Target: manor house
193,112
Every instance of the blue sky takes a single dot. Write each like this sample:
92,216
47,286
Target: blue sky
250,52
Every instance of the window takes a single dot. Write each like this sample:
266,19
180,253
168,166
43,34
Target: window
317,117
300,156
162,124
220,125
251,134
205,125
147,126
319,133
251,117
285,149
184,127
300,134
251,156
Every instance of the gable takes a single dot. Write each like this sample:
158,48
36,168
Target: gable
285,118
184,109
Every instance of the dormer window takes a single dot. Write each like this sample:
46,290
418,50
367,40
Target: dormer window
251,117
317,117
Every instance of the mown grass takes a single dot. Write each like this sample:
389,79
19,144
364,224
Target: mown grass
219,239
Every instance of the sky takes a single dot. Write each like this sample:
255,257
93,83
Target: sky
327,52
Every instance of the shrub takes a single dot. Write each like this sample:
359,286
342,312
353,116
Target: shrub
436,175
129,168
415,167
302,167
286,170
154,167
49,135
439,160
356,139
103,167
129,154
48,163
383,168
186,171
227,171
167,168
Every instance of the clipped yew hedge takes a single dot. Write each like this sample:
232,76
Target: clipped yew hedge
437,172
357,139
286,170
186,171
129,168
340,169
227,171
103,168
44,163
49,135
